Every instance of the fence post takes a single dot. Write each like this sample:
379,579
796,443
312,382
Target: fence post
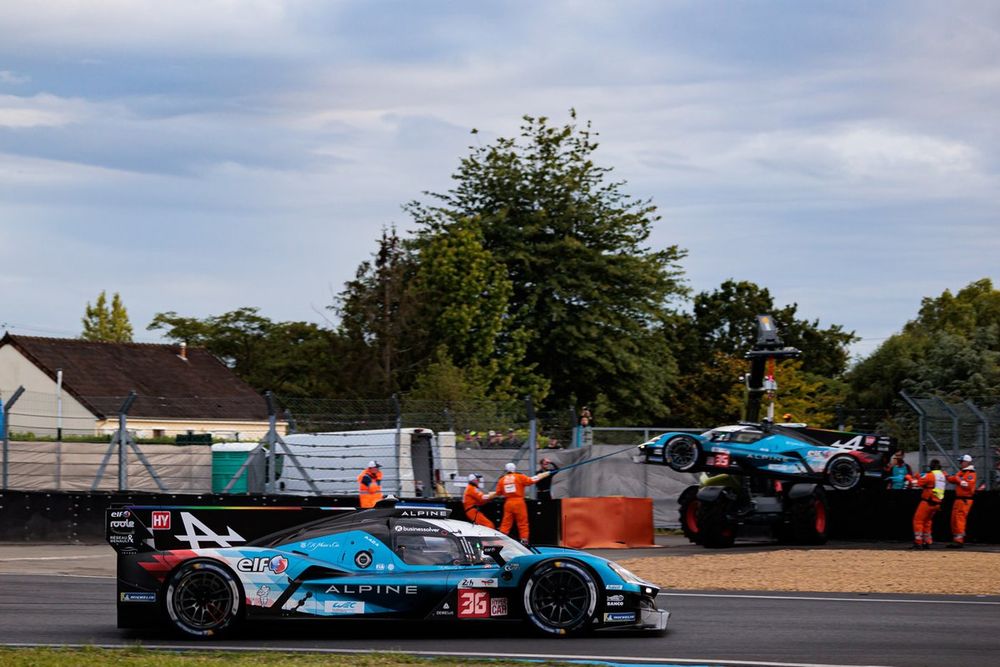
272,449
921,428
984,432
5,427
532,441
122,441
394,400
954,431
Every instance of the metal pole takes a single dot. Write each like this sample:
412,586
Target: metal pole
272,450
953,459
5,426
532,441
123,441
985,435
59,380
921,428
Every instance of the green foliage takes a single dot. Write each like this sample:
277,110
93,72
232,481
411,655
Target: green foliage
711,345
106,324
289,358
952,348
586,291
383,337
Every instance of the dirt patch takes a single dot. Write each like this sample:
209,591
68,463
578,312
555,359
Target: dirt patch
834,571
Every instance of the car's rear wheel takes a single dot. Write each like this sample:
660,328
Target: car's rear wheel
844,473
687,509
560,598
716,527
682,453
203,599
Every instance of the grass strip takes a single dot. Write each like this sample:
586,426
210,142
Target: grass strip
137,656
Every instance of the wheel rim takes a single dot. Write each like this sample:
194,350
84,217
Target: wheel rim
203,600
560,598
844,473
682,452
691,516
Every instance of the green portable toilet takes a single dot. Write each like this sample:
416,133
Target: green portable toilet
227,458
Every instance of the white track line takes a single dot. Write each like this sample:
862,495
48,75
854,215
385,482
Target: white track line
664,662
828,599
57,574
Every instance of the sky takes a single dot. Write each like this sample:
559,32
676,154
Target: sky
199,156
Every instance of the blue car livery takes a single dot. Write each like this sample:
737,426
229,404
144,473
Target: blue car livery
204,570
792,452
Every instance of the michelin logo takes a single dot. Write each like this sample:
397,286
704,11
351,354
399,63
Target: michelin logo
137,597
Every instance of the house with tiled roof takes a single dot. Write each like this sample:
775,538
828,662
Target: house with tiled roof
178,390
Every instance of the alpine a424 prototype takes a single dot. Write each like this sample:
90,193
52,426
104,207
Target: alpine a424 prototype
203,570
839,459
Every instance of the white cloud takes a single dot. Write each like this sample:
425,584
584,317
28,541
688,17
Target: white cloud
41,111
6,76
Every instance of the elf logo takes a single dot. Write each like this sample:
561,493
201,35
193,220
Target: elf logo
273,564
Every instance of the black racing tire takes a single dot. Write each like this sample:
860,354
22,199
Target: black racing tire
682,453
560,598
808,518
687,511
844,473
203,599
716,527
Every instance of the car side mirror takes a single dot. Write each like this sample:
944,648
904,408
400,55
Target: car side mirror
493,551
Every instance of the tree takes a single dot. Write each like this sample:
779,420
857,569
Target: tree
109,325
711,345
464,293
289,358
379,322
586,290
952,348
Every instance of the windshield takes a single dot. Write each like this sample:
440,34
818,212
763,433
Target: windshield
508,548
744,436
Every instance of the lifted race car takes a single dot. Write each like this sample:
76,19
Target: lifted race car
765,474
204,570
839,459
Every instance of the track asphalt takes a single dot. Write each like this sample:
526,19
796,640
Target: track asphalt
65,594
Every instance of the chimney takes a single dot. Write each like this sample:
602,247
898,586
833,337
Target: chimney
184,351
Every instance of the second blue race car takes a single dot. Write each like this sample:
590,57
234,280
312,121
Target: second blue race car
840,459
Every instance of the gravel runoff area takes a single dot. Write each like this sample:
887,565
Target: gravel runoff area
844,569
895,570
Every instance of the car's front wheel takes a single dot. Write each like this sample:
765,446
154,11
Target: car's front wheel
844,473
682,453
560,598
203,599
687,510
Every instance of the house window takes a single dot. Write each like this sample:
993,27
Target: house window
159,433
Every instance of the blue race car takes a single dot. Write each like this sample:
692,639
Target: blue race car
204,570
839,459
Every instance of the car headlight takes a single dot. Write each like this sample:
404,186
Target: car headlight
626,575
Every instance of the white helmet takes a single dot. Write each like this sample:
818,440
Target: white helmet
374,464
473,477
510,467
967,458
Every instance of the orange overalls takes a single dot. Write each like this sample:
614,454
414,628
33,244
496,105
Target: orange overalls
472,500
511,487
933,484
965,487
370,492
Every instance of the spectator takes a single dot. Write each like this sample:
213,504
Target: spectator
788,418
553,443
544,484
510,440
896,471
586,418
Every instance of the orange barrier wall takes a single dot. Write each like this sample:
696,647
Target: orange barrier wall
607,523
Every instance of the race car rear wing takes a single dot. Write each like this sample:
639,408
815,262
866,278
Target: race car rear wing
140,528
842,439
